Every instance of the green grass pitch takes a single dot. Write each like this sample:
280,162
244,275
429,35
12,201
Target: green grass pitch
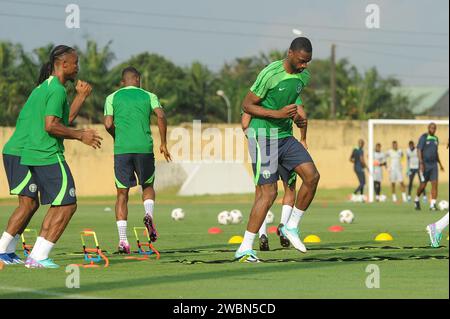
195,264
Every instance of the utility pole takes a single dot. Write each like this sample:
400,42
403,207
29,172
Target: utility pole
333,81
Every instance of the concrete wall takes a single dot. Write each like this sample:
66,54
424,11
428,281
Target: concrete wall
330,144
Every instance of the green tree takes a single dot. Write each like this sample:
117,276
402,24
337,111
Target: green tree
94,68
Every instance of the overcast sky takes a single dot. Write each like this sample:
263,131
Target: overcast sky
412,42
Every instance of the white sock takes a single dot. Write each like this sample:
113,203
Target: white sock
417,199
43,250
149,204
295,218
405,199
442,223
12,245
377,198
5,241
247,243
263,229
36,245
286,211
122,227
433,202
394,198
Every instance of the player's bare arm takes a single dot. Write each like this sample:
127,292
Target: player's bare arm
83,89
245,121
53,126
162,126
108,121
252,107
301,120
421,164
440,163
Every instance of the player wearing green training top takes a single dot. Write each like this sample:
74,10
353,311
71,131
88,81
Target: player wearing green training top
37,157
127,119
274,103
22,183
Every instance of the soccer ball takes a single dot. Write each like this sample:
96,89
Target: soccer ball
443,205
177,214
270,217
224,218
383,198
346,217
236,216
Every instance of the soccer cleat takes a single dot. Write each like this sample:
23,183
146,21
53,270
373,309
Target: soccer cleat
16,259
248,256
292,235
151,228
6,259
435,236
283,240
264,243
46,263
417,206
124,248
433,208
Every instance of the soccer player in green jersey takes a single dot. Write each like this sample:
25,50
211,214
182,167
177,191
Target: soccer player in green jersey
127,119
289,180
21,182
46,116
274,103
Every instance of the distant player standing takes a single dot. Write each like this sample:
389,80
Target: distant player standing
43,151
273,102
396,171
379,160
22,183
427,149
127,119
413,169
359,164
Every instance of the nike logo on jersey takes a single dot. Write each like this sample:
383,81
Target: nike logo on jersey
281,89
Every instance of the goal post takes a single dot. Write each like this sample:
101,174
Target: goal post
371,144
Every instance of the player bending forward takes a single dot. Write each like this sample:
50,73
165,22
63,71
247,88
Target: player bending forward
127,120
273,102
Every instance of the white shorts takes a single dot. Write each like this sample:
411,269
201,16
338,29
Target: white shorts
396,176
377,175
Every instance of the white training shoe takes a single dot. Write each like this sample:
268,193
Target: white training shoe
292,235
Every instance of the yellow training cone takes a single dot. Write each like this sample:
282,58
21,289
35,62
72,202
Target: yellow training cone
312,239
236,240
384,237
